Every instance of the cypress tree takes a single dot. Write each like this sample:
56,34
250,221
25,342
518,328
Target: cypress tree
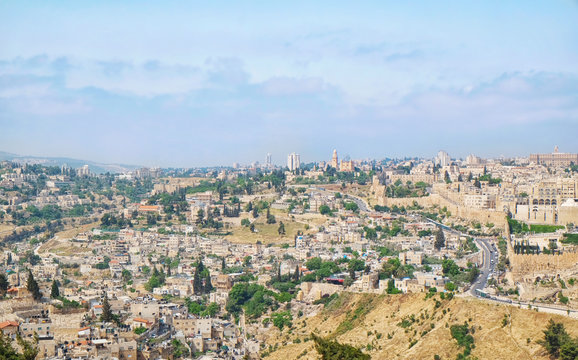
54,292
447,178
197,283
33,287
208,284
279,273
197,280
106,310
296,274
4,284
440,240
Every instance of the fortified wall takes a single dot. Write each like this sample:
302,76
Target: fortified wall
498,218
529,268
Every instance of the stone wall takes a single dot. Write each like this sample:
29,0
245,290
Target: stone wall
498,218
315,291
528,267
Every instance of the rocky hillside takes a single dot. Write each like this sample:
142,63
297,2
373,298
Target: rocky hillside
409,326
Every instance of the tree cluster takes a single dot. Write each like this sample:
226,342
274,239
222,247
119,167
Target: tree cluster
558,343
332,350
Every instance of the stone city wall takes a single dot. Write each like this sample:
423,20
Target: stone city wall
528,267
498,218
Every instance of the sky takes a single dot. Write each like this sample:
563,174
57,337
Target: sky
202,83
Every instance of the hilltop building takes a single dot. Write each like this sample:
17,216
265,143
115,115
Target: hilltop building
293,161
443,159
554,159
335,161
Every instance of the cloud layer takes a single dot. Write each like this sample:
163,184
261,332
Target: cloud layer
176,87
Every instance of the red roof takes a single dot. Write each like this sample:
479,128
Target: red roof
7,323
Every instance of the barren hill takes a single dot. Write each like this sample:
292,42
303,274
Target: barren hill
411,327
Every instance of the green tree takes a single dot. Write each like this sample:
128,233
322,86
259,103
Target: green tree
4,284
332,350
569,350
179,350
462,334
7,351
200,216
555,337
54,292
324,210
314,263
208,285
29,349
126,275
107,315
296,274
351,206
450,286
33,287
440,240
449,267
270,218
156,280
282,319
281,229
198,278
391,289
212,310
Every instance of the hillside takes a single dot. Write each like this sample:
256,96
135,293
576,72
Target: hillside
95,167
410,327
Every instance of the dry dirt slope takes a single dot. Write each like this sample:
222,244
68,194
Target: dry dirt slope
374,320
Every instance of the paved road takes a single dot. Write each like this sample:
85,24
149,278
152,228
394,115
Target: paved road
360,202
363,206
489,258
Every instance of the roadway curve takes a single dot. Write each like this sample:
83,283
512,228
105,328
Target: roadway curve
489,258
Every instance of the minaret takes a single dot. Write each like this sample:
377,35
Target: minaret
335,161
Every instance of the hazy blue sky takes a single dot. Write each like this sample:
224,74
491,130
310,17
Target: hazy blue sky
182,83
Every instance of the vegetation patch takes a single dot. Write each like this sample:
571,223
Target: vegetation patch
545,228
332,350
356,317
570,239
462,334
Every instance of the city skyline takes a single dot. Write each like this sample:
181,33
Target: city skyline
184,85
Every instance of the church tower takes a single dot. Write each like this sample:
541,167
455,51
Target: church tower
335,161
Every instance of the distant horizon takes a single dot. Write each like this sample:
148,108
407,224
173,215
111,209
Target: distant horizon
282,163
188,84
